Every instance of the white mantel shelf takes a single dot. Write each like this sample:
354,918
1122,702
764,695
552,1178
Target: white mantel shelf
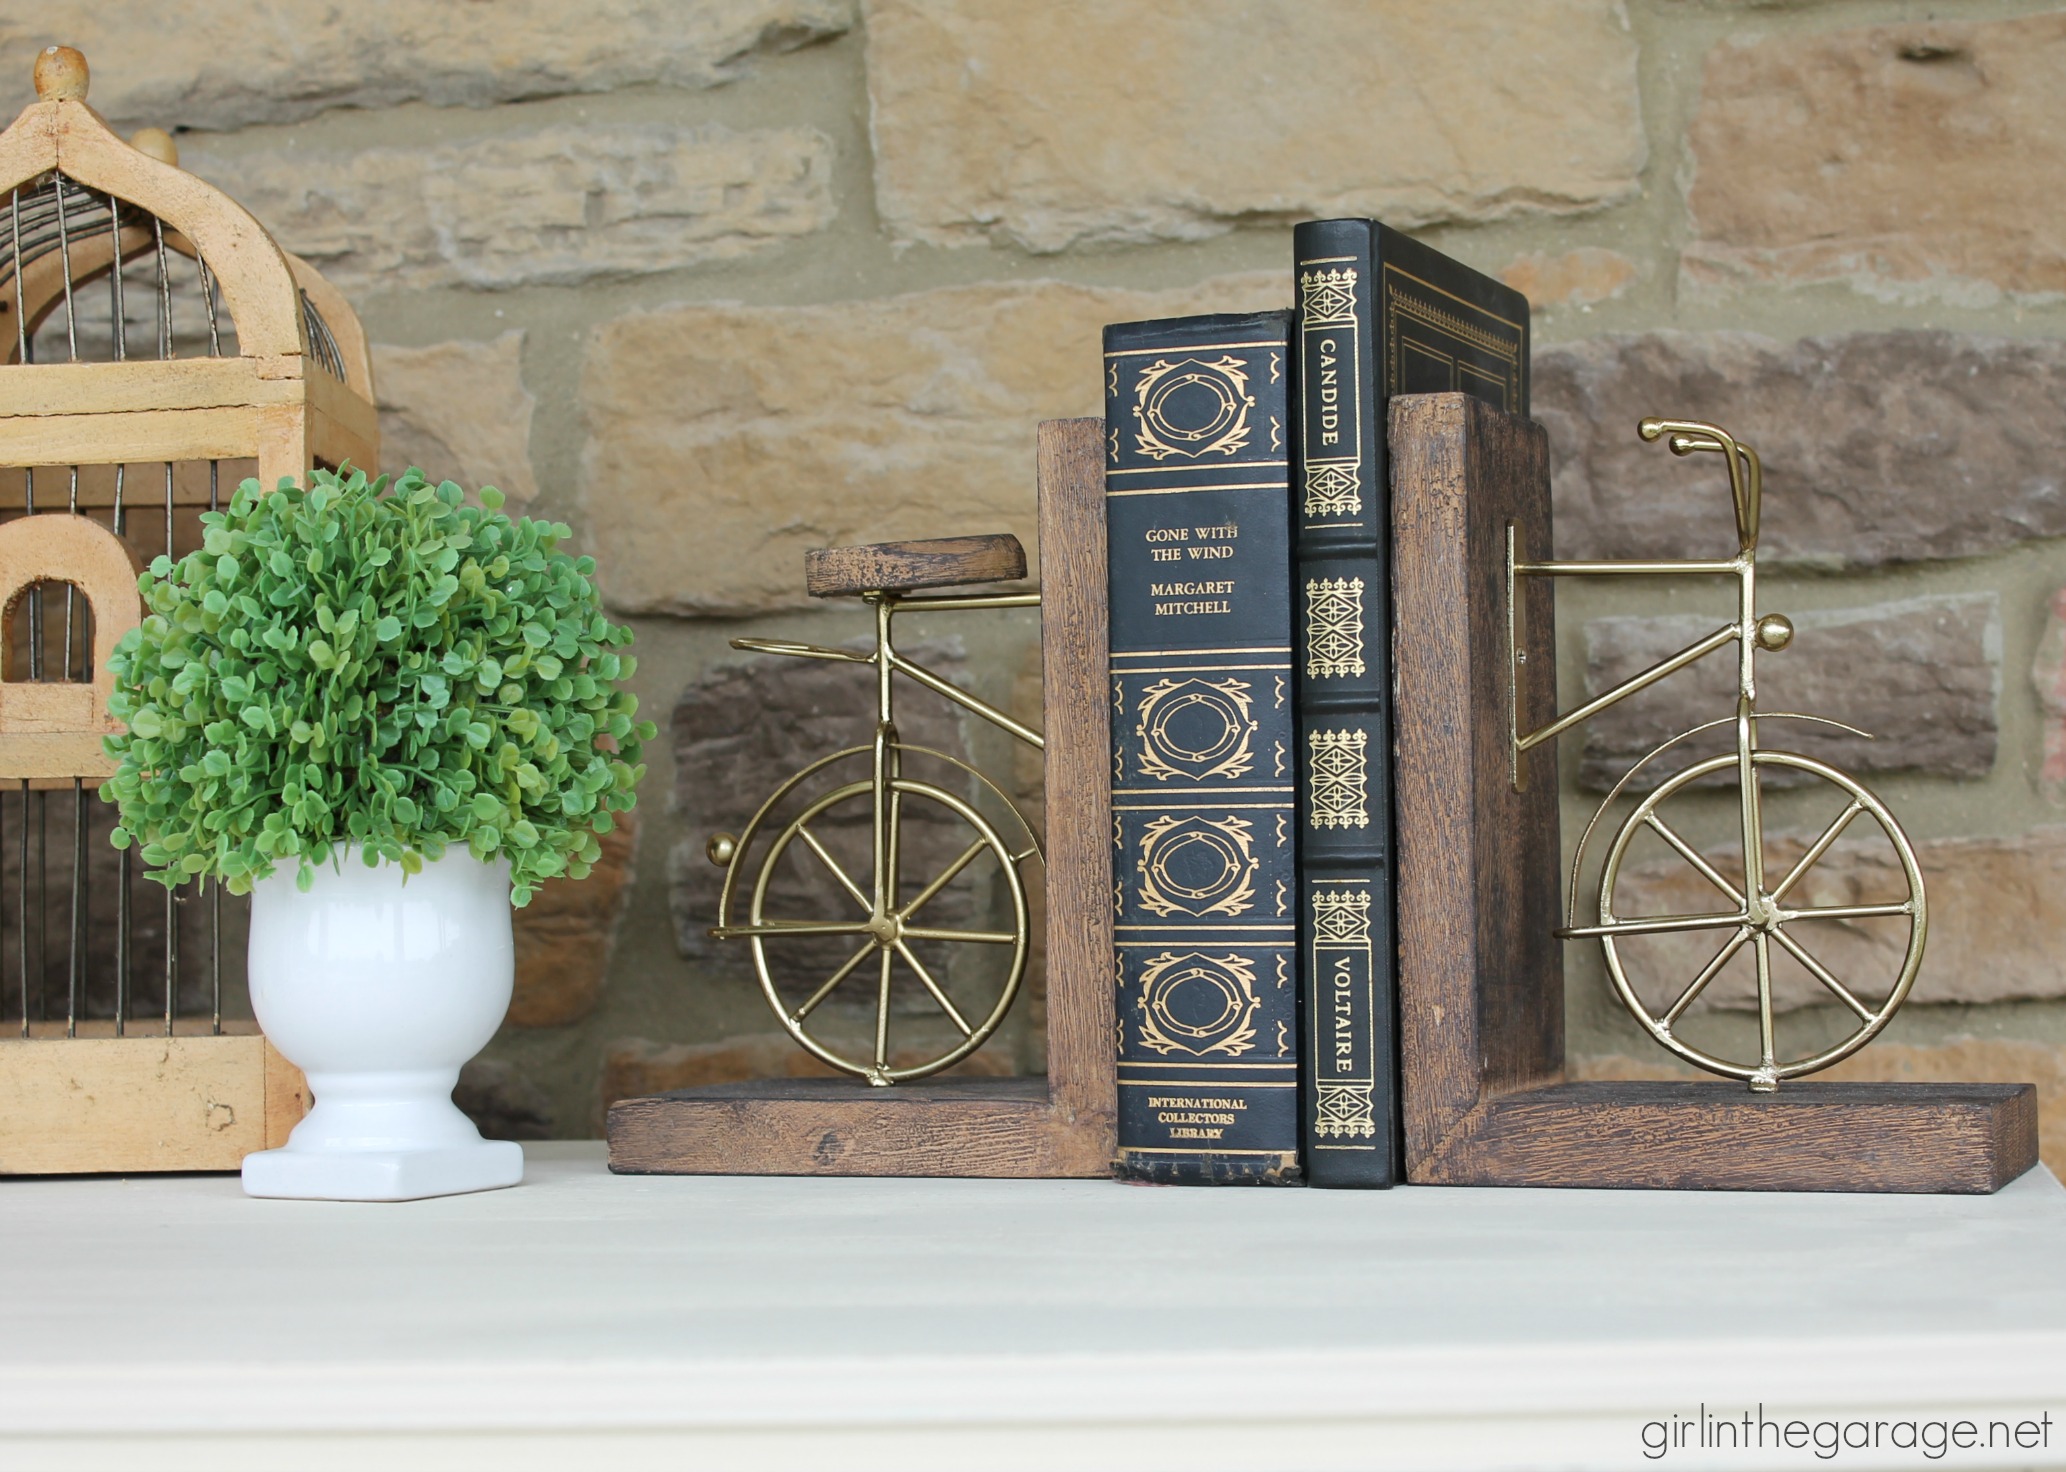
584,1320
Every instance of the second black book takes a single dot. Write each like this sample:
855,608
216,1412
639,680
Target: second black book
1379,314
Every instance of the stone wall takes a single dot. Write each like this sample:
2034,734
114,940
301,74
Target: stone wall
721,280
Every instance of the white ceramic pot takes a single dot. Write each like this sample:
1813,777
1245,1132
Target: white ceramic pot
380,990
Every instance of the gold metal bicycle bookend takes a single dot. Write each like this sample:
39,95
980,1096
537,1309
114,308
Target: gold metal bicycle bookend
761,862
1763,912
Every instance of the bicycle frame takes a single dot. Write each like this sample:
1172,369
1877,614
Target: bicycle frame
1747,631
1761,912
888,660
1746,484
887,766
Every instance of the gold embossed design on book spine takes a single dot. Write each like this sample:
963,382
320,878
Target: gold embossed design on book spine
1343,1109
1339,790
1201,729
1328,298
1167,398
1333,483
1198,1004
1334,628
1341,918
1194,865
1346,1111
1334,490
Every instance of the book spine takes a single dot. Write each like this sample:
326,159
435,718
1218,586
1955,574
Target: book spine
1197,418
1342,590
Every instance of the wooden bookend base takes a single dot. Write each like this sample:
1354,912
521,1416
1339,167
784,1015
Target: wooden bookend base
131,1104
1061,1125
1481,977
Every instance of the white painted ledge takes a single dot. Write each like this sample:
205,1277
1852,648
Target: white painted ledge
585,1320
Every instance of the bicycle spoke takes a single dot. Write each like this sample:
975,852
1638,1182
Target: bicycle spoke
1708,973
1821,974
1024,854
968,856
790,927
882,1015
1661,925
1687,852
1752,796
796,1018
932,986
1765,1041
979,937
833,864
1851,912
1817,849
886,882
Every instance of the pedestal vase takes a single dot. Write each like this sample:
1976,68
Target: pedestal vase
380,986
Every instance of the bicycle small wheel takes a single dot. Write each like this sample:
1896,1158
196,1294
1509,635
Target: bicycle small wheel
885,934
1768,923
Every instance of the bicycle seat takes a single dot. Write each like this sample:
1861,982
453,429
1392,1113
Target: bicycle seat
904,567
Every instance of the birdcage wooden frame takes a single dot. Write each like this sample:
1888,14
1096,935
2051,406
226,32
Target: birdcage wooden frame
164,1092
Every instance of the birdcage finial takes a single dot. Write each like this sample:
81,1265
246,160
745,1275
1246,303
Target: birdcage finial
155,143
61,74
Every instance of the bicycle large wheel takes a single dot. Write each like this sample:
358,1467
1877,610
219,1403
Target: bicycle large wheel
970,975
1767,923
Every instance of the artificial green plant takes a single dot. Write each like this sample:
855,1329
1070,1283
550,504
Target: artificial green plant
388,668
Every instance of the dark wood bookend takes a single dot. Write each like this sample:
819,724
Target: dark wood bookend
1481,980
1060,1125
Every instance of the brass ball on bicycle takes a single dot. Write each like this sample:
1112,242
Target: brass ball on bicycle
1775,632
721,848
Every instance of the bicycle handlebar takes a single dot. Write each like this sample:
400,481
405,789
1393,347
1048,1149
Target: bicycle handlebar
1746,472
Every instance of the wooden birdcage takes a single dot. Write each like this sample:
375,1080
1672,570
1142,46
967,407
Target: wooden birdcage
157,346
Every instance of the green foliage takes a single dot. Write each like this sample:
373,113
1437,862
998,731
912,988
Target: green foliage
351,664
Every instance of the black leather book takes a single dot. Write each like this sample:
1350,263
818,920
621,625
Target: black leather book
1198,511
1379,314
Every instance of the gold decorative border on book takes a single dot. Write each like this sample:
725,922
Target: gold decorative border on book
1408,305
1203,347
1397,303
1344,1108
1206,651
1468,306
1166,470
1334,483
1259,485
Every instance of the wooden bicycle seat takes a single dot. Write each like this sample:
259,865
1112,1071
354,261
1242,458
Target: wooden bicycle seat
903,567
